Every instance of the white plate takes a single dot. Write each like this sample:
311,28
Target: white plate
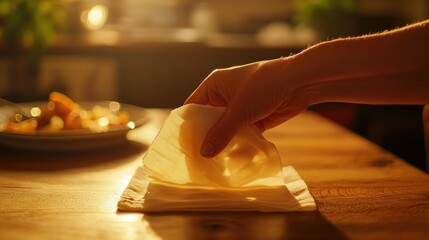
69,140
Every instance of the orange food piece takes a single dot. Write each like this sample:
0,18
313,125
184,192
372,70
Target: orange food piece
45,117
27,126
63,105
123,118
73,121
62,113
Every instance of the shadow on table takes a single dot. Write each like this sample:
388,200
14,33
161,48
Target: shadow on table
12,159
242,225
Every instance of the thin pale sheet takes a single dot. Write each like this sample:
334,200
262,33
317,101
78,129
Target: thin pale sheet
246,176
141,195
174,157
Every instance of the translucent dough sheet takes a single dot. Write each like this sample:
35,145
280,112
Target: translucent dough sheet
174,156
246,176
141,195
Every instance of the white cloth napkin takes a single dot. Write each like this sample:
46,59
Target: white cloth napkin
246,176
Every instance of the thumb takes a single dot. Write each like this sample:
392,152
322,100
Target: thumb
220,135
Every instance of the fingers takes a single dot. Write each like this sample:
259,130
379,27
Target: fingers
220,135
199,96
204,96
260,126
221,88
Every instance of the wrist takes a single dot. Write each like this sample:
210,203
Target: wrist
301,83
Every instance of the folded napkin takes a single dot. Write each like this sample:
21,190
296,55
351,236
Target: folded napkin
246,176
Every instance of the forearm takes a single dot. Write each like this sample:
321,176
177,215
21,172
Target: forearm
386,68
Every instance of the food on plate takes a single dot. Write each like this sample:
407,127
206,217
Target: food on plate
61,113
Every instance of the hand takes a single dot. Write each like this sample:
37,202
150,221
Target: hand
384,68
257,93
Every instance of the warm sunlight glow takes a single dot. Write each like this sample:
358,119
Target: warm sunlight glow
35,111
114,106
18,117
95,18
103,122
83,114
130,217
131,125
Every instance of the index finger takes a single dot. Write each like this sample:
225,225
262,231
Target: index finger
199,96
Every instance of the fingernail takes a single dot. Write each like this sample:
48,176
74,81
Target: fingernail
208,150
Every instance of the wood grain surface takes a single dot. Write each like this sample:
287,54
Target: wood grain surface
362,192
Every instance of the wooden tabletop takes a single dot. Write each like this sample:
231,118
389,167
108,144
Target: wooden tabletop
361,191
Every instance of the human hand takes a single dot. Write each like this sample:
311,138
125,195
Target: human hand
258,93
354,70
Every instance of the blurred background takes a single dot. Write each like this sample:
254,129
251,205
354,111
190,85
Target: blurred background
154,53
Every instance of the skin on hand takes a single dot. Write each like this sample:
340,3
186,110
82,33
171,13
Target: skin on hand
386,68
255,93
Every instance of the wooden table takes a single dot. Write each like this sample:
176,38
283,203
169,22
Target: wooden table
362,192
